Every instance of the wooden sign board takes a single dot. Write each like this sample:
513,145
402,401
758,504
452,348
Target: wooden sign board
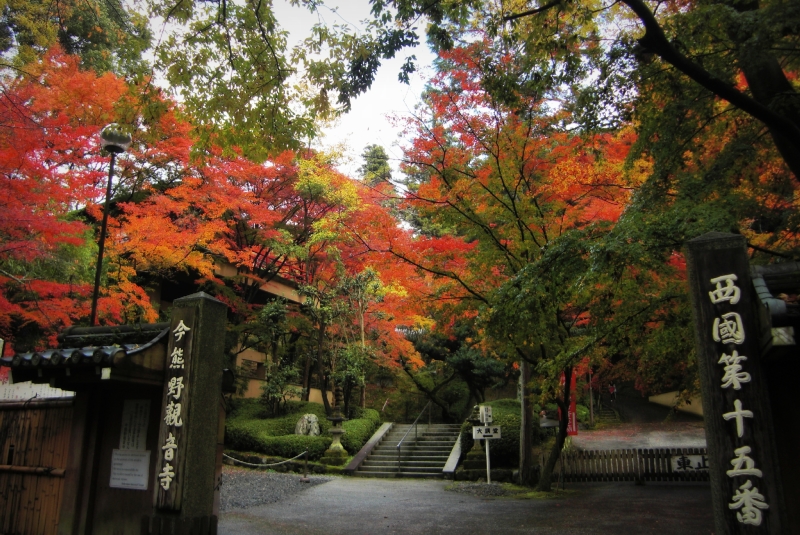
485,431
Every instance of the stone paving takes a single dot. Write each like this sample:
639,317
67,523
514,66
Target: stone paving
642,435
376,506
356,506
644,425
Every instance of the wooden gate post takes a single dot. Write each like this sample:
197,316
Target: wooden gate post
744,472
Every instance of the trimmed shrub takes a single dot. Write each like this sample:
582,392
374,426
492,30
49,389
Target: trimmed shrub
359,430
290,445
248,429
504,451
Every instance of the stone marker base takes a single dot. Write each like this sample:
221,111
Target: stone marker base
475,460
335,457
499,475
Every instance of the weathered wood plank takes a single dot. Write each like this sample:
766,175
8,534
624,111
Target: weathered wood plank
34,447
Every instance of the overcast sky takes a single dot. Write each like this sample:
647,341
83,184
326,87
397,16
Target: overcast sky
368,122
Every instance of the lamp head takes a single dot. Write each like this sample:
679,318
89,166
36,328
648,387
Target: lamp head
115,138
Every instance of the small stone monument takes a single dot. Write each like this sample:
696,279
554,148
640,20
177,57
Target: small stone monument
336,454
476,456
307,425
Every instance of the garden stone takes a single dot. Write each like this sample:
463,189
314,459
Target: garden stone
307,425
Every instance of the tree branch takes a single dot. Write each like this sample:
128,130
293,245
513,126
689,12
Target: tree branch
515,16
656,41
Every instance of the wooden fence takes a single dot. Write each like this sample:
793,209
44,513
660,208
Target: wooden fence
34,444
673,464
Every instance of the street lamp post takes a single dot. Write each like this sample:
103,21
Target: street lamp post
115,140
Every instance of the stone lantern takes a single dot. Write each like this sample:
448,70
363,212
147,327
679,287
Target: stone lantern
336,454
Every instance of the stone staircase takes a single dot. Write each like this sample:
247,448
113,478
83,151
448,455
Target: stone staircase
607,414
424,457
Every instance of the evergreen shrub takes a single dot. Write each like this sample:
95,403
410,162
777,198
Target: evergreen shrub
359,430
248,429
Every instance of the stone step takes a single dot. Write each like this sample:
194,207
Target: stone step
404,467
429,475
393,458
407,446
393,462
606,414
424,452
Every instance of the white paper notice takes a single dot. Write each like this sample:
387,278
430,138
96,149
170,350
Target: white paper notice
135,416
130,469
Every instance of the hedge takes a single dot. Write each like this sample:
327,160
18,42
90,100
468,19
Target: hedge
248,429
359,430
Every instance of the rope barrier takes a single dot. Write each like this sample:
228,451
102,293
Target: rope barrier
259,465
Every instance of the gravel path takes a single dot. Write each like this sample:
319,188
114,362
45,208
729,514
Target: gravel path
242,488
482,490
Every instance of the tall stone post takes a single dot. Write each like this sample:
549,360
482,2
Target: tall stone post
187,447
526,426
745,478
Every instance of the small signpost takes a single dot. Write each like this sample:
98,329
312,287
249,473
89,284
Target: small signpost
486,432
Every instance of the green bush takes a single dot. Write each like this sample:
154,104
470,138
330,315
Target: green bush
291,445
583,413
359,430
505,451
247,436
248,429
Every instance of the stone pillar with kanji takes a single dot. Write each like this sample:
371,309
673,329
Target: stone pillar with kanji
743,463
187,452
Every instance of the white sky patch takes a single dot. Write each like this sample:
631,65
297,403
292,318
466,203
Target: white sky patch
368,122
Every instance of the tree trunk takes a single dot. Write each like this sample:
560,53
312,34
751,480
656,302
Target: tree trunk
347,391
363,403
323,384
591,401
526,427
545,479
307,378
431,393
471,402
